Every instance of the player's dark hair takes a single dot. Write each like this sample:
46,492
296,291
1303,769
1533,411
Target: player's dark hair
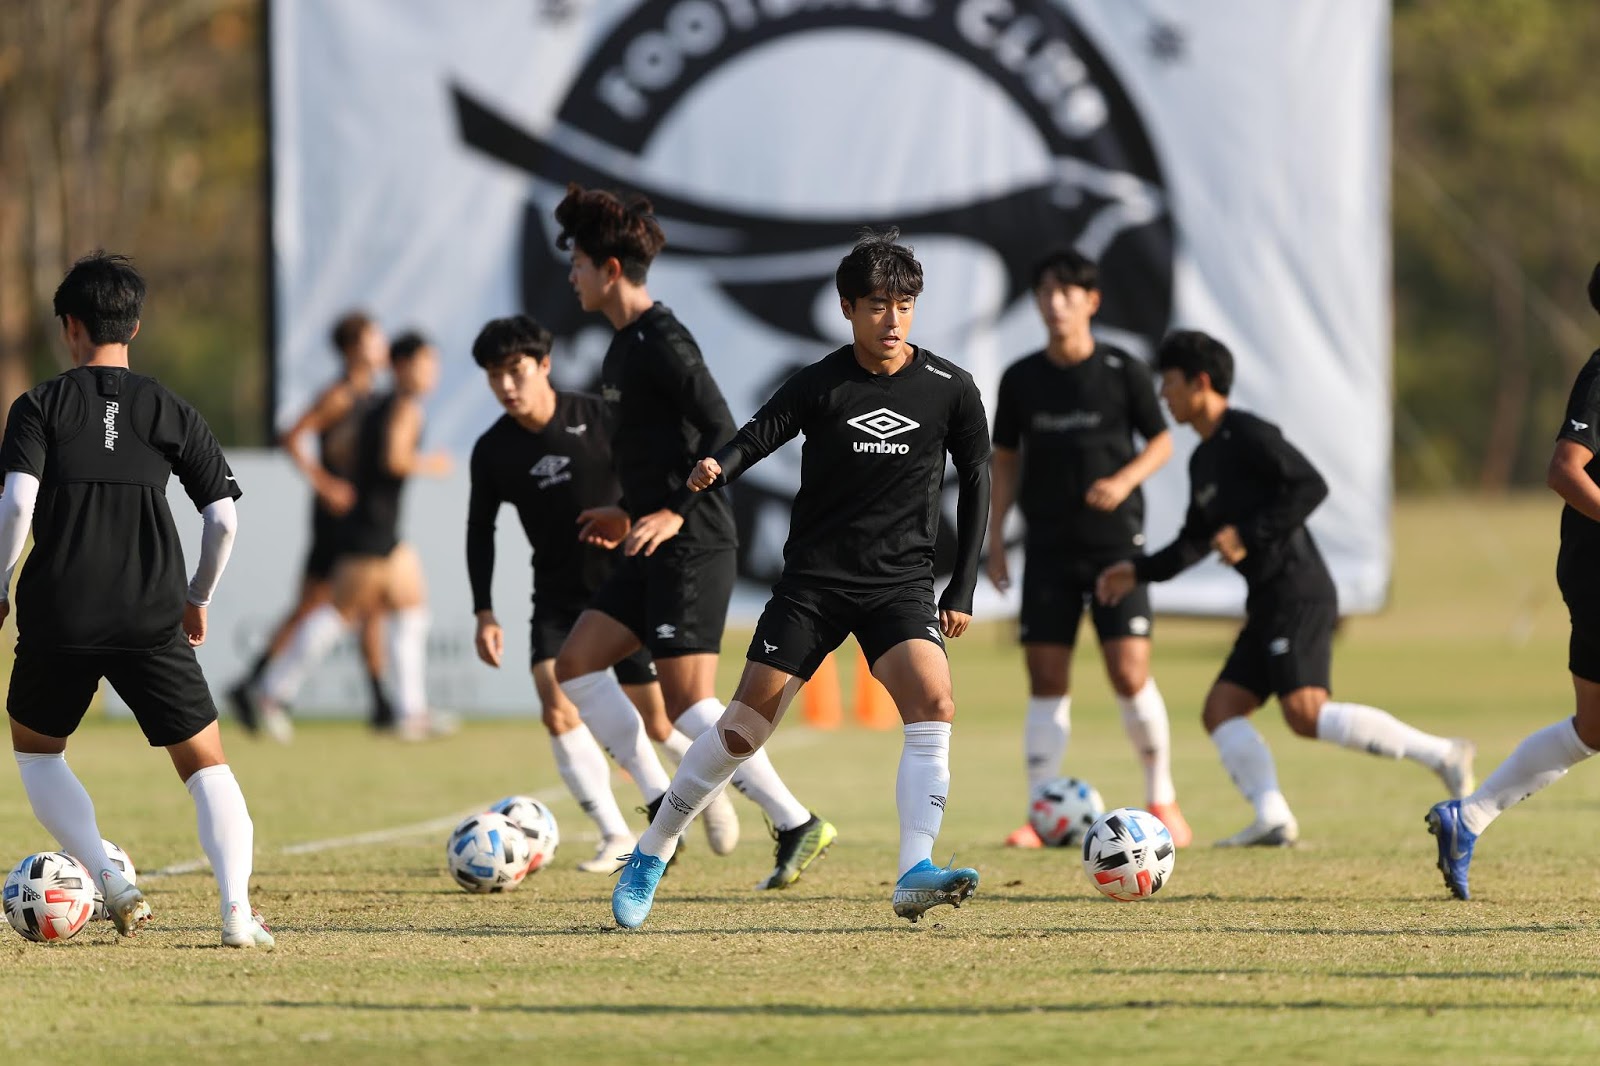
105,293
879,264
405,347
1067,266
1594,288
348,330
1192,353
501,338
603,225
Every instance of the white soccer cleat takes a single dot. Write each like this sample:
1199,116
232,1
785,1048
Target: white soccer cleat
1259,834
722,824
1456,769
125,904
610,856
245,930
430,725
274,720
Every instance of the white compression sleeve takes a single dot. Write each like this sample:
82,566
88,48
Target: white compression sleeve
16,517
216,544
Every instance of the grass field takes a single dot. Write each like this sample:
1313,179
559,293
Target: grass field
1342,950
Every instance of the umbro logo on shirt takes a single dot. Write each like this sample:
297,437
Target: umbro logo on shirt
552,470
881,425
1279,646
1577,426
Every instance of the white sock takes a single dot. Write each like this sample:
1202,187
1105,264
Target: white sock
64,809
1359,728
226,833
1144,719
615,723
587,775
287,671
920,789
755,778
1542,759
705,770
408,647
674,747
1045,733
1248,760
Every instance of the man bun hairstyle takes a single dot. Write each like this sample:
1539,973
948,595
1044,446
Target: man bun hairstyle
1191,353
1067,266
105,293
879,263
603,225
501,338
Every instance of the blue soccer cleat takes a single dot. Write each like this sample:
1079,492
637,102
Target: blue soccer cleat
1455,845
636,889
925,886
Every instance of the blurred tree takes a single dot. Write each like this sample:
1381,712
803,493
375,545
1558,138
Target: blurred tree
134,125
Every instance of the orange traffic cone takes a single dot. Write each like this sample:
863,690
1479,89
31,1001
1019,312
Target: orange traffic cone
820,697
874,708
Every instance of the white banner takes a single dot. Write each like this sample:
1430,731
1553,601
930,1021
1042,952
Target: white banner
1227,162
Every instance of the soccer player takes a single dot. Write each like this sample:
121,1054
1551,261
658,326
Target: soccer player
103,594
879,415
1250,493
1064,451
1545,757
549,455
335,418
670,591
376,573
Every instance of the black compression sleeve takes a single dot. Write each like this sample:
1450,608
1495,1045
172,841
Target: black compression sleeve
972,519
482,507
1192,545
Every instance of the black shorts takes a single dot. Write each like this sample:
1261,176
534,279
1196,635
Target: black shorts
51,690
675,601
1057,586
1284,647
550,628
324,551
801,624
1583,649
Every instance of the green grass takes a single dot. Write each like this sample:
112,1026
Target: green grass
1342,950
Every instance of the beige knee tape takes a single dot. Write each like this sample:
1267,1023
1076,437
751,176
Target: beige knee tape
750,724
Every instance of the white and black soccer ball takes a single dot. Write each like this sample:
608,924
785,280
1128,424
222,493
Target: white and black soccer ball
1128,854
1063,810
49,897
537,823
123,864
487,853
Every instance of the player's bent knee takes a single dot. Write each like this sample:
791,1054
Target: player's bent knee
743,730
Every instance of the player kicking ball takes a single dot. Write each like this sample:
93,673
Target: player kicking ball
1543,758
103,593
879,416
1250,493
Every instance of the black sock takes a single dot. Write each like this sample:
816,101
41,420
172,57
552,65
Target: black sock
382,710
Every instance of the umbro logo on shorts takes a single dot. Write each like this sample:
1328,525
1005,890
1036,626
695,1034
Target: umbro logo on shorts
933,631
666,631
881,425
1139,625
1279,646
551,470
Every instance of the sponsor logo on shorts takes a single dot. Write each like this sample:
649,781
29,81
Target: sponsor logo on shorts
666,631
1578,426
769,646
881,425
552,470
1279,646
1139,625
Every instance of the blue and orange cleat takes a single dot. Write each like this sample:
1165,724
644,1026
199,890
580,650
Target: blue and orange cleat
1456,842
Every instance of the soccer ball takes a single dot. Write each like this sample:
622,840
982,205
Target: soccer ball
1063,810
1128,854
537,823
49,896
124,866
487,853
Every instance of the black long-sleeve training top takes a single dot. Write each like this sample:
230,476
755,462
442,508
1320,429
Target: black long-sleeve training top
1247,476
867,512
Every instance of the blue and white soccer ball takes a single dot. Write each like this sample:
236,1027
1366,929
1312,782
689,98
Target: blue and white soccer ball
1062,811
1128,854
487,853
49,896
123,864
537,823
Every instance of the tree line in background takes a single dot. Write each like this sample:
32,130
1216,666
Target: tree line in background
138,124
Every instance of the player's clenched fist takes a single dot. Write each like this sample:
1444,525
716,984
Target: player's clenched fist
704,474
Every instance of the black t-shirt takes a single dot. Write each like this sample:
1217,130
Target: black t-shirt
1578,564
1074,425
867,511
106,572
1247,476
549,477
669,414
